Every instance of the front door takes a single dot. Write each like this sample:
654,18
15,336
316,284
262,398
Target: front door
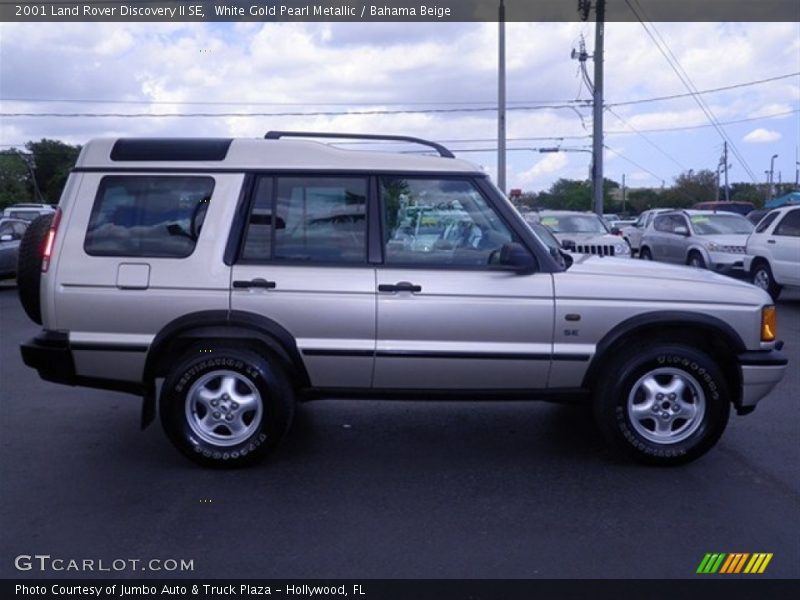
449,317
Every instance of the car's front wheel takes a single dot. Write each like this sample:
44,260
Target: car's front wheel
666,404
645,254
695,260
226,407
763,278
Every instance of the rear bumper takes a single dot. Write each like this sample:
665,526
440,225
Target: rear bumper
50,354
761,372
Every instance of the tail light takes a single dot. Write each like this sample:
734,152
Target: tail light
50,240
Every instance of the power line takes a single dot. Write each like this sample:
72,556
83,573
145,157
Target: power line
646,139
576,101
675,65
634,163
708,91
282,114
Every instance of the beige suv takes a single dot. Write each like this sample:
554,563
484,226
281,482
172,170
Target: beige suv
225,279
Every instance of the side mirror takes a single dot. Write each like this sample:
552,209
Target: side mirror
681,230
6,238
517,258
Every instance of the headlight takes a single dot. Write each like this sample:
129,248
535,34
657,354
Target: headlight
769,324
621,249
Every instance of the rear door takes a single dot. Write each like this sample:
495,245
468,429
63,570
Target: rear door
303,265
145,250
448,317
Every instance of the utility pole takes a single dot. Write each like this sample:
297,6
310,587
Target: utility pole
727,188
501,99
597,133
771,175
623,193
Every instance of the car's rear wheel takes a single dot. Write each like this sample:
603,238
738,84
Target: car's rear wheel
666,404
763,278
29,266
645,254
695,260
226,407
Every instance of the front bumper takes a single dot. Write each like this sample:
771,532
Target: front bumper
761,372
726,262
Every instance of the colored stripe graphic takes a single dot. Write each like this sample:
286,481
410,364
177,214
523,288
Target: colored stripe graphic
741,562
711,563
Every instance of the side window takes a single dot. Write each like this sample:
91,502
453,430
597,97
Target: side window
766,222
439,222
5,229
315,219
663,223
148,216
678,221
790,225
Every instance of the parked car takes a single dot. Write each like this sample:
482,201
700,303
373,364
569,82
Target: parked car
702,239
738,207
11,232
180,270
773,250
633,233
28,212
754,216
583,232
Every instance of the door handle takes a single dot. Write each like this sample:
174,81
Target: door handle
770,241
254,283
402,286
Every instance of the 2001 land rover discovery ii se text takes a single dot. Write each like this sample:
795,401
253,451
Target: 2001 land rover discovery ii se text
224,279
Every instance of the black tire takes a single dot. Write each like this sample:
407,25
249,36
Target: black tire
29,266
762,277
201,432
695,259
620,394
645,254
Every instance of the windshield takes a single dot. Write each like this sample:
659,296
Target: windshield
575,224
720,224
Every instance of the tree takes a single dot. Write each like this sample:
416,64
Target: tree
52,162
644,199
15,180
692,187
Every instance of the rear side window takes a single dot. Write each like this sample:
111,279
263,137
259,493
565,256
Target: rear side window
663,223
766,222
790,225
148,216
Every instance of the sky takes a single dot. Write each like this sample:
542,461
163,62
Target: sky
432,80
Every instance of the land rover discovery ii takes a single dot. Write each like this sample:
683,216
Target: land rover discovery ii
224,279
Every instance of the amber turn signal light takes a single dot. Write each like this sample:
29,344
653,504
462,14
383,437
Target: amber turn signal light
769,324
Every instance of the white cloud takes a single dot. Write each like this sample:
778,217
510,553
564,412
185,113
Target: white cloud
762,136
550,164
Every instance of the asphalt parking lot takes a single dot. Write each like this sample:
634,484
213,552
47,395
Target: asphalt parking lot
388,489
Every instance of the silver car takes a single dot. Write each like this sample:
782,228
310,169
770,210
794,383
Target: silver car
702,239
224,280
633,233
582,232
11,232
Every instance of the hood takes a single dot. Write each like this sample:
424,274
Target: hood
629,279
725,239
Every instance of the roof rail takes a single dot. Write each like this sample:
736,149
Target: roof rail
444,152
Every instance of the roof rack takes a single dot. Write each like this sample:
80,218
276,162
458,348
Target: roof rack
443,152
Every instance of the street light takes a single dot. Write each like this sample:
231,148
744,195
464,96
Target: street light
771,174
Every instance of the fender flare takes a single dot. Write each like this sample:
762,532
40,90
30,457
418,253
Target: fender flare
660,320
222,325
